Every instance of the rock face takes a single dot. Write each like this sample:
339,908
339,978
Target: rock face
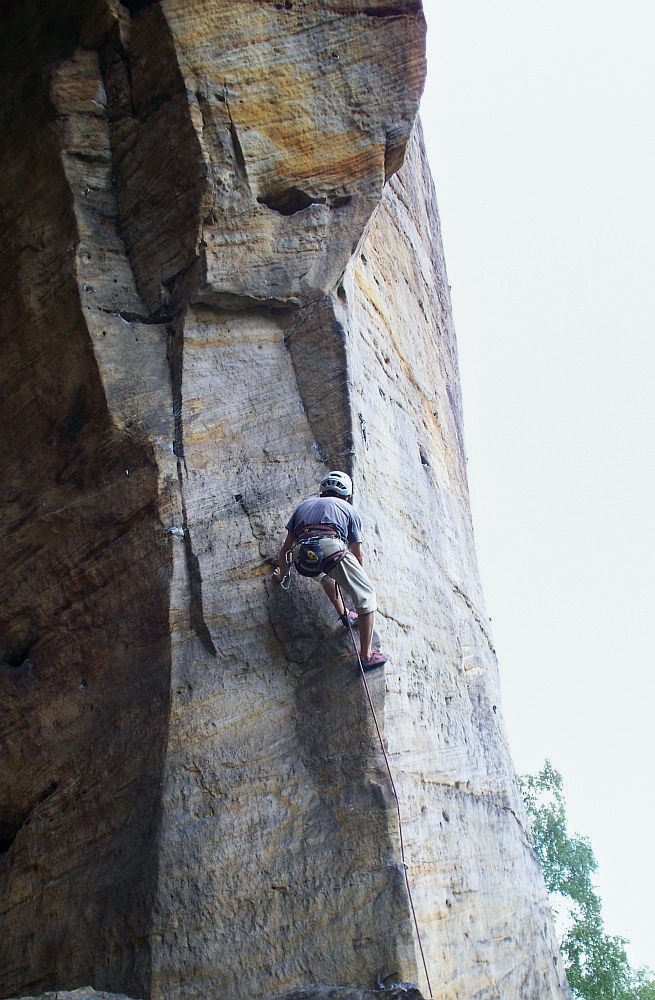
306,993
83,993
220,280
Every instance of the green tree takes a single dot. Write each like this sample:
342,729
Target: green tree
644,985
596,963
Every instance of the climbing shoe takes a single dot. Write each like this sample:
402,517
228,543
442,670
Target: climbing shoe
377,660
350,618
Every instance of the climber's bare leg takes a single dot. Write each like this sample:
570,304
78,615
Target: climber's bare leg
366,622
330,588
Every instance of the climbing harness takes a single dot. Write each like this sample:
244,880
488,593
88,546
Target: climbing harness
309,555
395,795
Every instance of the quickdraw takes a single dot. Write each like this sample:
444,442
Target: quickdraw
285,582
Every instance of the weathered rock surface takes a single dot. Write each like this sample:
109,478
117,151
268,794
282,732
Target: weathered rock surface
306,993
213,288
83,993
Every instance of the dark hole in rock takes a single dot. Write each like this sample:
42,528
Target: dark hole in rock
136,5
424,456
8,833
238,497
341,293
50,790
76,419
391,10
341,201
10,823
17,657
289,201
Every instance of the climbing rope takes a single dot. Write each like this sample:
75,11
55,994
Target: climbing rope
393,789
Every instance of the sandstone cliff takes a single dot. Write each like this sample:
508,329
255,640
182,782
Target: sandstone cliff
219,279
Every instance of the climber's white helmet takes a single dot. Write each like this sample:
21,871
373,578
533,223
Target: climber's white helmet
338,482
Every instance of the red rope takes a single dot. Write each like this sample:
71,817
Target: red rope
393,788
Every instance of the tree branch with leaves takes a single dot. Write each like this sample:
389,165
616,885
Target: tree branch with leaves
596,963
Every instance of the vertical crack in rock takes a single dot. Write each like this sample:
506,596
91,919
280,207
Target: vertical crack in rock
175,353
163,98
196,611
175,356
236,144
160,170
228,178
479,621
316,341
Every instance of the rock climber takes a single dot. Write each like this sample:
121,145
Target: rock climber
324,541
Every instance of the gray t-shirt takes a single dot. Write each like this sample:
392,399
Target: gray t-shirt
327,510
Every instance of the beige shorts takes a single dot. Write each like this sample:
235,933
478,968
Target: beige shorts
351,577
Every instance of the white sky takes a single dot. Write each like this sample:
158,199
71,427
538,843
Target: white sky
539,123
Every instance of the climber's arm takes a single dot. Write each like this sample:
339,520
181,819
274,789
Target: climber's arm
358,552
